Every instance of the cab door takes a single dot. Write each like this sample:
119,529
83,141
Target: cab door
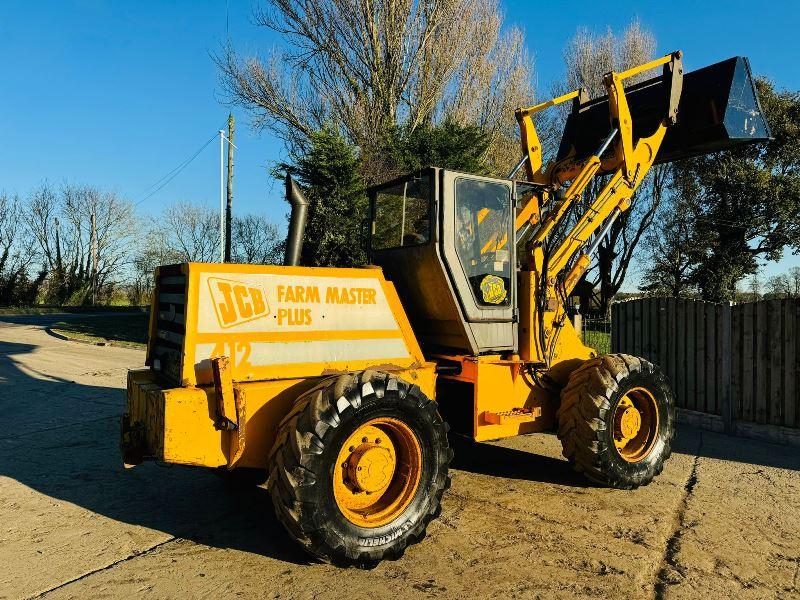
478,246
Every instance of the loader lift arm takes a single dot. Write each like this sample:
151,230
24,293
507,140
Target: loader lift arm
559,270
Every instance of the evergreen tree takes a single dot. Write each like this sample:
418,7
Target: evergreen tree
330,174
747,199
447,144
334,176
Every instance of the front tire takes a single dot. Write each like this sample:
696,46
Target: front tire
616,421
359,468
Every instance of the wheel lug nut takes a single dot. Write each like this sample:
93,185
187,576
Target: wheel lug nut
344,465
364,440
351,449
377,440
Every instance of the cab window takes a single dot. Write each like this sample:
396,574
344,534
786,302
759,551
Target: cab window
401,214
483,239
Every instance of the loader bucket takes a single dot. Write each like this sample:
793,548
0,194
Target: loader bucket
718,110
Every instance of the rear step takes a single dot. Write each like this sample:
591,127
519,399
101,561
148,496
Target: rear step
517,415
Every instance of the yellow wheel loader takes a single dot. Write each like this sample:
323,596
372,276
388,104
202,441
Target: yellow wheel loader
340,385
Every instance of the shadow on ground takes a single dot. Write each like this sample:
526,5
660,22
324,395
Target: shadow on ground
63,443
736,449
499,461
66,447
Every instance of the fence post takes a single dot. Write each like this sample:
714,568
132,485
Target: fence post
614,332
727,357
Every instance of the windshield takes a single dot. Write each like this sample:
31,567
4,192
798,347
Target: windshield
401,215
483,226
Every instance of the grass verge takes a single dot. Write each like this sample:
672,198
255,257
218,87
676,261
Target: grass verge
599,340
115,330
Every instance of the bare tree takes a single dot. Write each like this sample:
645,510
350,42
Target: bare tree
622,241
256,240
794,278
115,228
184,232
190,232
367,65
152,251
17,255
187,232
755,287
14,252
588,56
42,218
59,219
492,84
779,286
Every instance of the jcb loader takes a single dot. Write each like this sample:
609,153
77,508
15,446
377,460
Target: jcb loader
341,384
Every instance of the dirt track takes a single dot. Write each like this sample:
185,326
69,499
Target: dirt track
723,520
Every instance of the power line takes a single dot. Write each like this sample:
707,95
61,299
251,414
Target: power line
156,183
163,181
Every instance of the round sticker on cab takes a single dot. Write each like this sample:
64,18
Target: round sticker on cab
493,289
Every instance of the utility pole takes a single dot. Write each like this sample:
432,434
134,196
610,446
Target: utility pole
58,245
228,206
221,195
94,259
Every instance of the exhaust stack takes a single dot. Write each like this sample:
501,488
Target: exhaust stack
297,222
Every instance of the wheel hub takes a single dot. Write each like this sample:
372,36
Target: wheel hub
370,467
635,424
630,420
377,472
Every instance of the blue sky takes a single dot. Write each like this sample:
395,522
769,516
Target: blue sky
117,94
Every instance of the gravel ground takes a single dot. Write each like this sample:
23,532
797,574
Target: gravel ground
723,520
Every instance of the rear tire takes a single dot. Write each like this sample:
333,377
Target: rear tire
616,421
307,472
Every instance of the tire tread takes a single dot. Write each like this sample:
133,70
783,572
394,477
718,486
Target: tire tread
301,436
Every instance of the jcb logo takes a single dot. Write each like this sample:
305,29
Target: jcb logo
493,289
236,302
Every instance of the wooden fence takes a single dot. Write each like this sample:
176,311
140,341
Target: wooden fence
740,363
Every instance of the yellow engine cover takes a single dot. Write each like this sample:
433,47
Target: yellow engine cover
277,322
282,329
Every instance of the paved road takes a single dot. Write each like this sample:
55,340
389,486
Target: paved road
723,520
53,318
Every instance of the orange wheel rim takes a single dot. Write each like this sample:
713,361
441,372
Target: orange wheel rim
635,424
377,472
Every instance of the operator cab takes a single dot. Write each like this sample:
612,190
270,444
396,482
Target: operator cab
446,240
